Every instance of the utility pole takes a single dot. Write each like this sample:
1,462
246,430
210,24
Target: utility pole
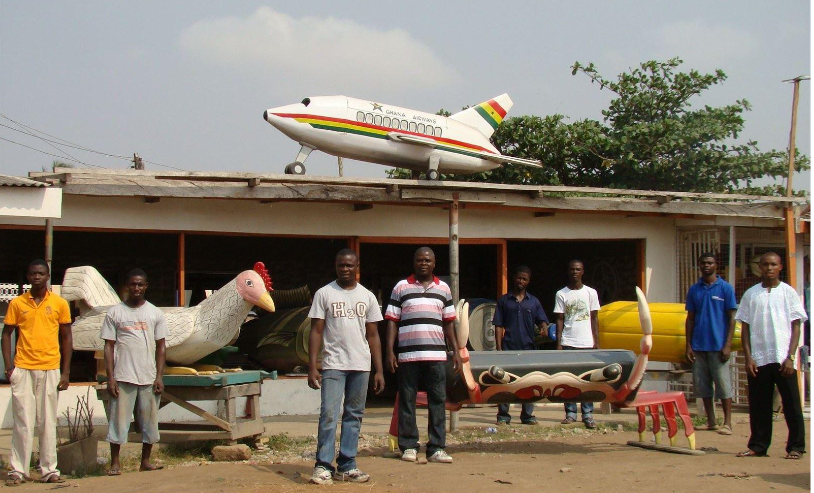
138,163
790,223
341,166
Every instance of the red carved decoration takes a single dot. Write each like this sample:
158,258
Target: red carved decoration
260,268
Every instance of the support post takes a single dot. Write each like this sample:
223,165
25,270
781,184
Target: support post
502,269
733,264
182,270
454,277
341,166
49,244
355,245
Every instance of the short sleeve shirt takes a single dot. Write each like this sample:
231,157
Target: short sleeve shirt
420,313
710,305
519,320
346,312
576,306
38,336
769,313
134,331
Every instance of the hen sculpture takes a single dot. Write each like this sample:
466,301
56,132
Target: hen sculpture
193,332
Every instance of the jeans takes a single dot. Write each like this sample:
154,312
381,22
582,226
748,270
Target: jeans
336,384
587,408
526,414
433,373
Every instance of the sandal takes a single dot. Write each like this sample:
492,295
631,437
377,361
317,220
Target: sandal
589,423
568,420
52,478
794,455
712,427
725,430
114,472
14,480
749,453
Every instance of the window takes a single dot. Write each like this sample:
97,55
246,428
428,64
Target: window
386,122
437,131
369,117
412,126
404,124
421,128
360,116
429,130
377,120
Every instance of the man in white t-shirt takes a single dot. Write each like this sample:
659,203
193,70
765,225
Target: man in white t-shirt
344,317
575,310
770,315
134,332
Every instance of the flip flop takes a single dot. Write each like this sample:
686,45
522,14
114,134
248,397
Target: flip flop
52,478
590,423
794,455
150,468
725,430
749,453
569,420
712,427
14,481
114,472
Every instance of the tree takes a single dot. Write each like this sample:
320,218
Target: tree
651,138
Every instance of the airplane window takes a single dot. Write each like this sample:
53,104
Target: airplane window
421,128
377,120
386,121
306,101
369,117
437,131
360,116
412,126
395,123
429,130
404,124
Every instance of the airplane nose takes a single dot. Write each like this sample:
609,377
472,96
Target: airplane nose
266,115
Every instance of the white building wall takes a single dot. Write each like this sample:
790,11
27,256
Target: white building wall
324,219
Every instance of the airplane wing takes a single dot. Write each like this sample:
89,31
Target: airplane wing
497,158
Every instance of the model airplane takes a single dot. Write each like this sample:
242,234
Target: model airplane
392,136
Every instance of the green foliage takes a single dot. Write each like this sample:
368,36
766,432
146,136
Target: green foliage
651,138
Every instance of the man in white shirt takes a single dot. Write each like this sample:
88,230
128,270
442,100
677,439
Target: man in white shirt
770,315
576,309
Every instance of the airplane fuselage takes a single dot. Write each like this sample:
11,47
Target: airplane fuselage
364,130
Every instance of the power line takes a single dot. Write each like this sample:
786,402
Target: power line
55,147
126,158
48,153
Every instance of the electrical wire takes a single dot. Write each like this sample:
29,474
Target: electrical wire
45,152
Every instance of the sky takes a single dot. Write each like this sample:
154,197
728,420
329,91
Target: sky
185,83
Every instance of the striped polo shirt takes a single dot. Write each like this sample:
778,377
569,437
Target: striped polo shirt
420,313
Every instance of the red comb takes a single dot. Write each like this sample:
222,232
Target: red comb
260,268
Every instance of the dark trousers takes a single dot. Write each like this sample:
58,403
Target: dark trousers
526,414
433,375
761,390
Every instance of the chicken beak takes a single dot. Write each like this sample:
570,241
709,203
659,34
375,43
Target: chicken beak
266,303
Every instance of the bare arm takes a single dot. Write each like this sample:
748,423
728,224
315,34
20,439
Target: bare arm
751,367
160,360
595,328
559,321
689,328
499,333
66,347
6,346
452,340
726,351
392,332
314,343
375,343
112,385
787,367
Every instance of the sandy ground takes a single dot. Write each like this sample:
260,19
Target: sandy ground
573,460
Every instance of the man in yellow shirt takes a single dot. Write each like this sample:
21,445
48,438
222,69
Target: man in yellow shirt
43,324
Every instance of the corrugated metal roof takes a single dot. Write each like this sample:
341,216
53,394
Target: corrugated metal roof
18,181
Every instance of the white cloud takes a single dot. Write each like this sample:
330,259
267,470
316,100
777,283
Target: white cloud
319,51
704,45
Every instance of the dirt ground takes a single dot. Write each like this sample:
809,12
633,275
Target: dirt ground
560,460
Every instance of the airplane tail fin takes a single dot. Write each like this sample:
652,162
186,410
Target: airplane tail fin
486,116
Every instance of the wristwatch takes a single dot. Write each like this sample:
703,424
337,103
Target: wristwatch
791,358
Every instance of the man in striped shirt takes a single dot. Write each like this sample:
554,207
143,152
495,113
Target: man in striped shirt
421,313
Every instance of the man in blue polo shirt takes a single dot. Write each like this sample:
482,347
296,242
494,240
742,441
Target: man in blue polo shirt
519,317
709,328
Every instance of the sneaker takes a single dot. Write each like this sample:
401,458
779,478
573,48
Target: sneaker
410,455
531,421
503,422
440,456
353,475
321,475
